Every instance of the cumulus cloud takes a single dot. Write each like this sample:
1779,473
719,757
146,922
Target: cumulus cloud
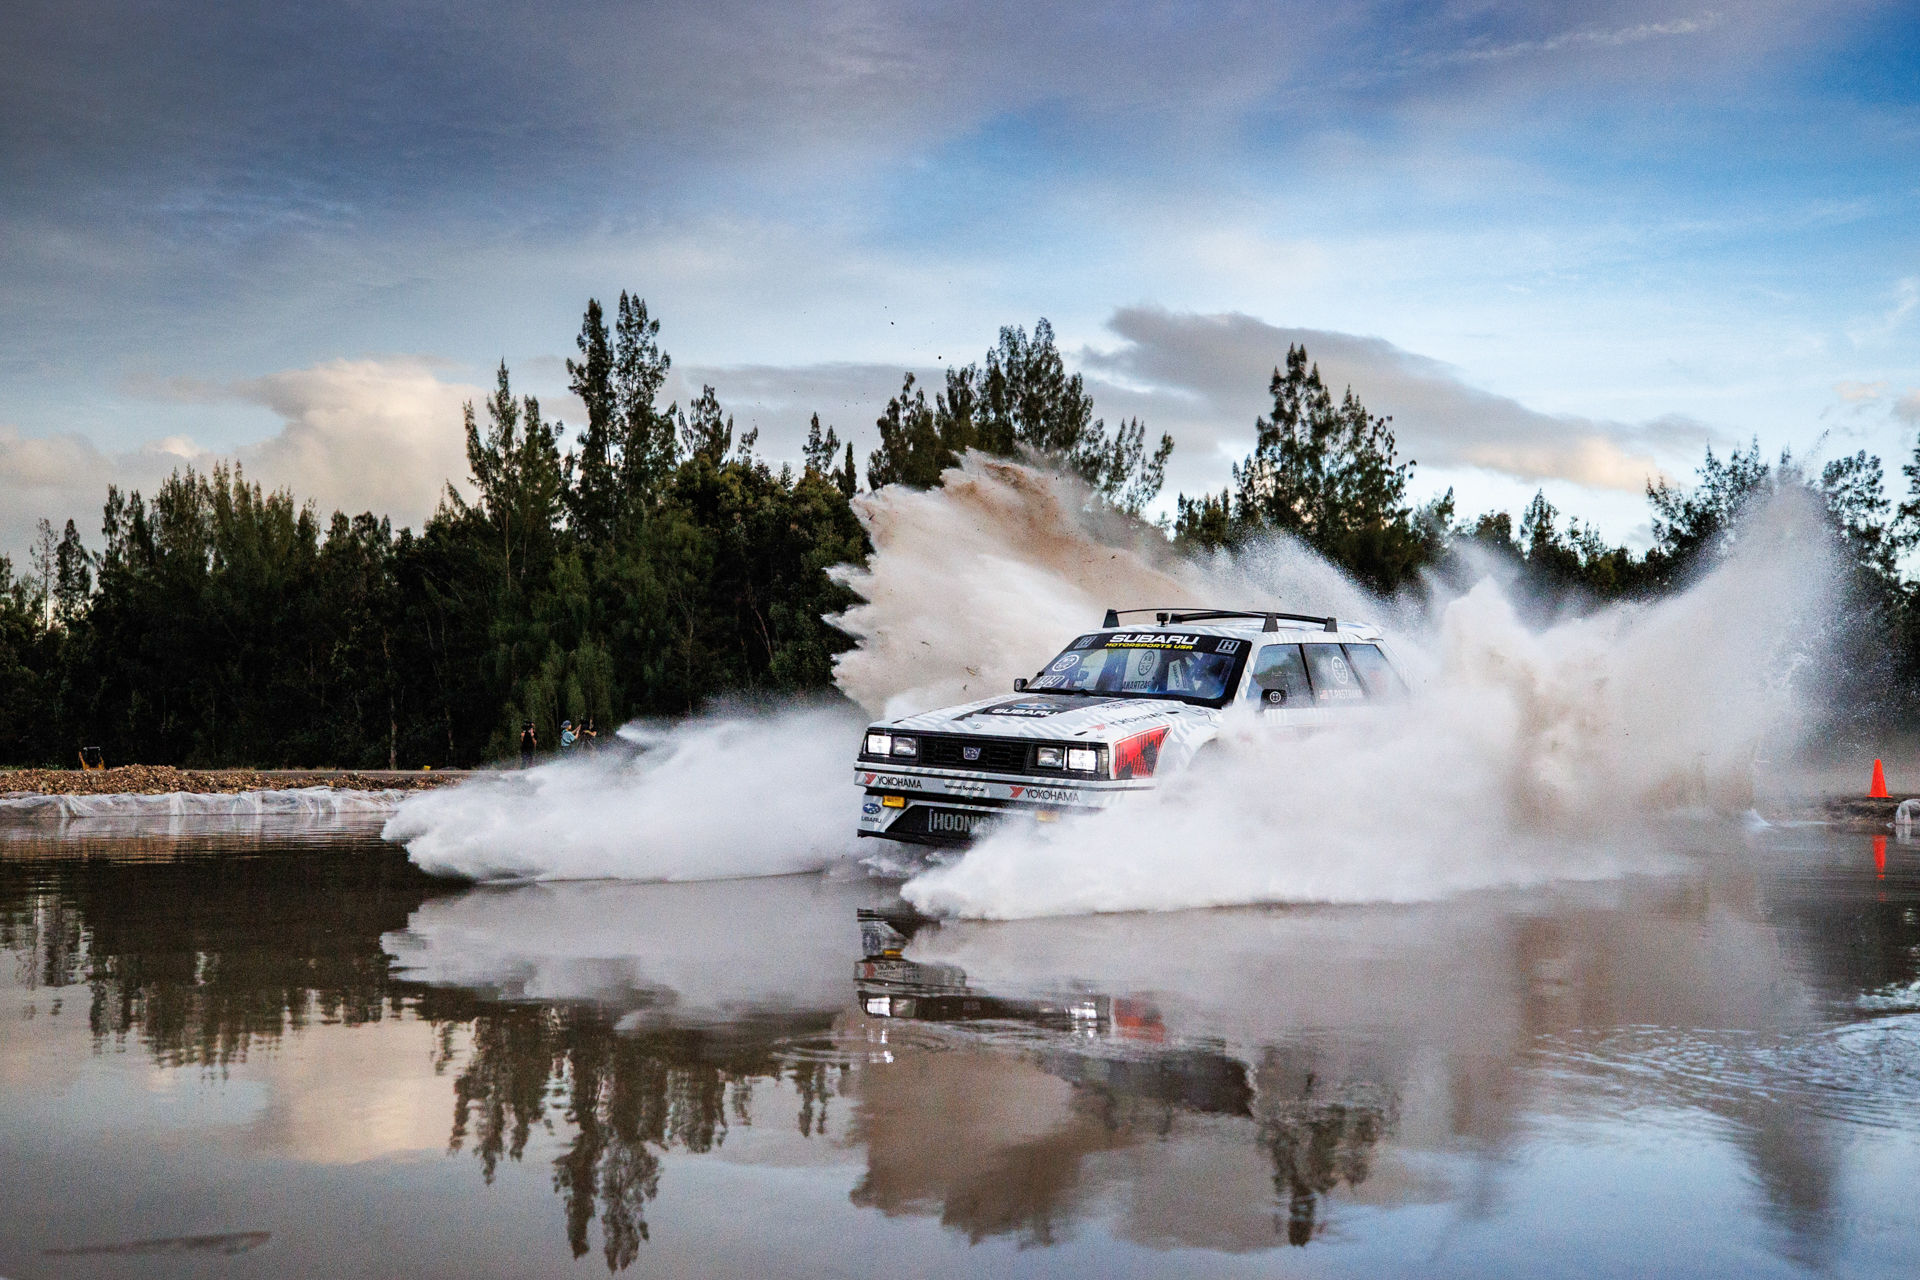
1205,378
1908,409
378,434
362,435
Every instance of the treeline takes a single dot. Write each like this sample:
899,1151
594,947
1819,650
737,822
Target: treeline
655,561
646,565
1330,474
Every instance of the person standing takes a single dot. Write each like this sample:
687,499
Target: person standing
590,736
567,737
528,741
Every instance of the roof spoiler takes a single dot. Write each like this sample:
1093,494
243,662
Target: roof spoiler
1176,617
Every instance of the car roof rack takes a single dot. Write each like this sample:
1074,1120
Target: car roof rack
1178,616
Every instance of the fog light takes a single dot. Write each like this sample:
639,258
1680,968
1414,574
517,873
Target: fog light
894,802
906,746
1048,757
879,1007
1083,759
879,744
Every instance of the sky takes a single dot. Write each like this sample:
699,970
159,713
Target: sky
1568,247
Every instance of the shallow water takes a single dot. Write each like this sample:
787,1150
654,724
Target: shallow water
273,1048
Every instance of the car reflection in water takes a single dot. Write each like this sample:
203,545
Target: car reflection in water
1129,1077
1222,1081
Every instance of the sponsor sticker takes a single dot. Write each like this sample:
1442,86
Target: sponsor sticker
1151,640
870,807
965,787
1053,795
1025,710
954,822
898,784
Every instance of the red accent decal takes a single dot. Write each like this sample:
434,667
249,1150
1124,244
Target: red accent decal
1016,791
1137,757
867,780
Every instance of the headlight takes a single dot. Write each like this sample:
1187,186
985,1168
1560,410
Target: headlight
906,746
1083,759
879,744
1048,757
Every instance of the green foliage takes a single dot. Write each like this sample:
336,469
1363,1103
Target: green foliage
659,564
1328,474
1023,405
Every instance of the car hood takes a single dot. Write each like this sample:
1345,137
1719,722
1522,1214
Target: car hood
1053,715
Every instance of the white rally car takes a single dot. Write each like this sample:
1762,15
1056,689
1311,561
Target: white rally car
1119,708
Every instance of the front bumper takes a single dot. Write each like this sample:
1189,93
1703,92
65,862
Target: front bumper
952,808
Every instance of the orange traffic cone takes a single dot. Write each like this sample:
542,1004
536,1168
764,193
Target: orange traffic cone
1878,791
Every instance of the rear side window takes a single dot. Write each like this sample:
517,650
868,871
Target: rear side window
1375,673
1333,678
1280,668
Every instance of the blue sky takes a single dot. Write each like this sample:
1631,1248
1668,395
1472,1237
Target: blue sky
1565,245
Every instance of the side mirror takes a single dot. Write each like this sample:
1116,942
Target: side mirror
1020,685
1273,697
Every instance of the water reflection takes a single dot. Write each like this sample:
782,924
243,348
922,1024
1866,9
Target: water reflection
1232,1081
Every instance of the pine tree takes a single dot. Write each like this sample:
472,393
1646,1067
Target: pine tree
594,494
705,432
820,447
73,577
912,451
648,449
848,479
45,562
517,468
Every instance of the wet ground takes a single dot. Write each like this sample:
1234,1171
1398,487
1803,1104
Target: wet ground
258,1049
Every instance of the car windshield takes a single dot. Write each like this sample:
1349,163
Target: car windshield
1148,664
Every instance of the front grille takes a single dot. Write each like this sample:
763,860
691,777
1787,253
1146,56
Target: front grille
997,755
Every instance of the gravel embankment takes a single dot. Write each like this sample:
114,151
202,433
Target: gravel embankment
156,780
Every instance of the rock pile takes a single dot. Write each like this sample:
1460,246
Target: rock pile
155,780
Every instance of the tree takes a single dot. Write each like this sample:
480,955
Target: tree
1329,475
649,451
516,466
848,479
45,566
1695,527
1027,398
73,577
820,448
1024,404
914,449
705,432
594,497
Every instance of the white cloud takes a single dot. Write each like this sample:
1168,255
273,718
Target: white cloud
1205,379
380,435
356,435
1908,408
1860,393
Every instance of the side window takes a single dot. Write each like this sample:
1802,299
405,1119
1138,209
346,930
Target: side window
1279,669
1333,678
1374,671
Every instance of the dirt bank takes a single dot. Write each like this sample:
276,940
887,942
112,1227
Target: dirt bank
155,780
